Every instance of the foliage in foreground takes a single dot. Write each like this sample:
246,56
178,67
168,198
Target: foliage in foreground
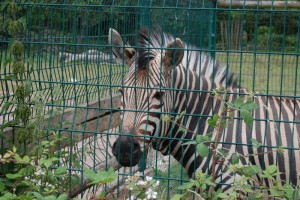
32,166
244,175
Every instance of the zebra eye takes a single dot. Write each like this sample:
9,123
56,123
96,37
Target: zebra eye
158,95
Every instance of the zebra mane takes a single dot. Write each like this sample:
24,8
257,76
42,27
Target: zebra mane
152,42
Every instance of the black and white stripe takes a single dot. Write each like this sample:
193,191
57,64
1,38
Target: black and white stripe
149,92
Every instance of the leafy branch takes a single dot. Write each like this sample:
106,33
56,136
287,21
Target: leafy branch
242,174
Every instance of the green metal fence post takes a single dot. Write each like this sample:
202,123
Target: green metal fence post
212,28
144,21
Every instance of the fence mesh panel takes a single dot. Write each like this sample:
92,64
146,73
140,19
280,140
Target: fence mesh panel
73,67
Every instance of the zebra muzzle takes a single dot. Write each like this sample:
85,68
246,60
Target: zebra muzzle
127,151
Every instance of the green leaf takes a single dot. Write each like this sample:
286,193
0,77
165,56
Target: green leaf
60,171
198,138
10,78
295,194
222,196
258,196
248,188
177,196
51,197
272,169
180,116
27,87
185,186
24,183
89,174
212,122
275,192
209,182
2,187
202,138
22,20
48,162
14,176
235,159
190,142
102,195
281,149
38,196
9,124
248,118
8,196
289,190
222,153
182,128
7,61
255,143
250,105
238,102
216,117
4,4
166,118
250,170
230,105
26,159
100,177
203,150
6,106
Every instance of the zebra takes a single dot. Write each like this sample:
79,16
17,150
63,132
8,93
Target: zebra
165,77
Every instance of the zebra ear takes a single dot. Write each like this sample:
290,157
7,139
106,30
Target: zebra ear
173,56
116,41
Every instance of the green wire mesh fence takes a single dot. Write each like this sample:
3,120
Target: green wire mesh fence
74,70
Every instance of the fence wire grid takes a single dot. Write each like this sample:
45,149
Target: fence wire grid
74,70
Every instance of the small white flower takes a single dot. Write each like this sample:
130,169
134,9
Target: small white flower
26,178
151,194
149,178
140,182
156,183
49,185
131,198
138,174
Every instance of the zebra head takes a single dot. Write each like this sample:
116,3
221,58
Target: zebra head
143,90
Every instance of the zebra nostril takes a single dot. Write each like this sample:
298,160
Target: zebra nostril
136,147
114,149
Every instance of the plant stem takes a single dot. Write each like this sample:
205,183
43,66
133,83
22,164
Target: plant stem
215,145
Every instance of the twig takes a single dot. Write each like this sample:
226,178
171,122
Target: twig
214,153
198,195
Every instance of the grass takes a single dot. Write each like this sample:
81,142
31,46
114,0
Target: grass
270,74
170,179
78,81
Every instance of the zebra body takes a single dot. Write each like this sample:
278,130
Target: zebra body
163,78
